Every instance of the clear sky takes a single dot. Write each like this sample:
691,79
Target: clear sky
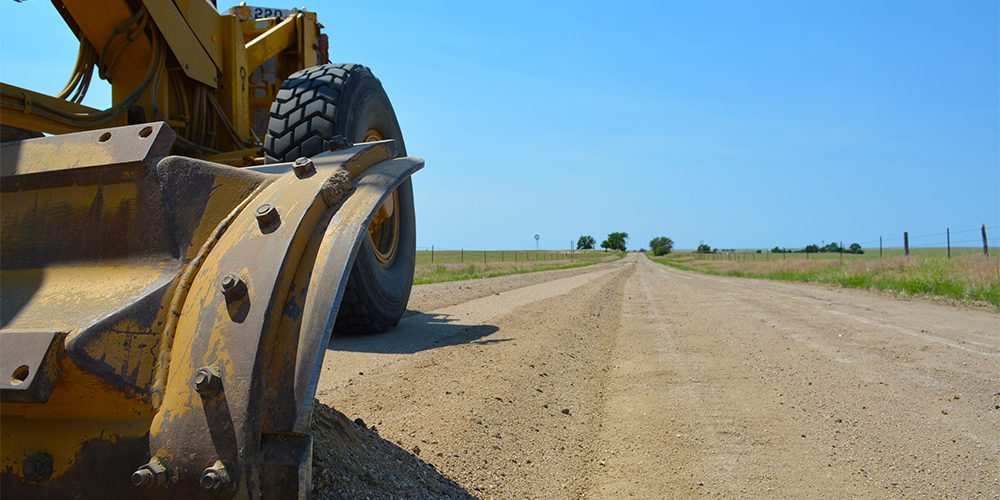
743,124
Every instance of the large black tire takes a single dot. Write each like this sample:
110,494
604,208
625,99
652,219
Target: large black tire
312,107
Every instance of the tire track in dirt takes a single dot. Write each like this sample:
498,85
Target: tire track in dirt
506,408
634,379
901,396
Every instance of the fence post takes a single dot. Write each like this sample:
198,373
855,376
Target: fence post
501,255
948,232
841,252
880,247
986,246
462,256
432,254
484,256
906,244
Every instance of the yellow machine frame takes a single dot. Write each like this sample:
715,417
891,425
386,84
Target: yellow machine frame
210,76
167,298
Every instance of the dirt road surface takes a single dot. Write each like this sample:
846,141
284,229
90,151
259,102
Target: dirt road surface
634,379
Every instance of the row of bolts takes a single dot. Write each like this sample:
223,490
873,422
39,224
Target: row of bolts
207,380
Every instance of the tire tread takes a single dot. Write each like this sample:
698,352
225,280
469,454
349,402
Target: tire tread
301,121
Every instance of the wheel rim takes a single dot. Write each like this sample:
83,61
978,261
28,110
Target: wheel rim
383,232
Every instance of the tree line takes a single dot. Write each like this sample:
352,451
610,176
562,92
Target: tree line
661,245
854,248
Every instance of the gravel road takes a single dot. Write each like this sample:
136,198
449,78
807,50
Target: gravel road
634,379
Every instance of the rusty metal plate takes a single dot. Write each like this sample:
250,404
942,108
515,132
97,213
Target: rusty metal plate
27,365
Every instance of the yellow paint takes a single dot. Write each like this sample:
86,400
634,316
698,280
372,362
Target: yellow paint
194,60
217,51
204,22
272,41
81,408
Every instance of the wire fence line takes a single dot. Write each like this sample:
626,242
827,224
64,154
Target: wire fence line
448,256
980,240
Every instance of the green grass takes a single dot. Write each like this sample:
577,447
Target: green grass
493,256
451,266
966,277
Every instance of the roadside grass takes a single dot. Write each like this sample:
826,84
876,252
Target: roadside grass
965,277
495,256
453,269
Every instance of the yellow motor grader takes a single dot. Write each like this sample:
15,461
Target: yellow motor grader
173,266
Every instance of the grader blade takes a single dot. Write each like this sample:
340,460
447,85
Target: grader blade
163,319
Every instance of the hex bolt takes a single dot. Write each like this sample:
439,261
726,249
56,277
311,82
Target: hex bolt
144,478
338,142
215,477
303,167
150,475
37,467
207,380
267,216
233,287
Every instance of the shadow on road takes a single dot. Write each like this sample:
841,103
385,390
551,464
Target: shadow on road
417,332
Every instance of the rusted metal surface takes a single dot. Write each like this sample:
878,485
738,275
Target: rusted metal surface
171,313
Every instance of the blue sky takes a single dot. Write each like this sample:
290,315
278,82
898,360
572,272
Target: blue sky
743,124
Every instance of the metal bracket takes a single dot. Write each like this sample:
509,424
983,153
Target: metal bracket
27,365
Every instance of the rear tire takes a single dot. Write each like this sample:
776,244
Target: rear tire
312,107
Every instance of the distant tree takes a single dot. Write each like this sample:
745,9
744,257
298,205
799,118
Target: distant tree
586,242
777,249
812,249
855,248
661,245
703,248
831,247
615,241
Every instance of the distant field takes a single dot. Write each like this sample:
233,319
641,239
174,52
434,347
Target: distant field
967,276
452,265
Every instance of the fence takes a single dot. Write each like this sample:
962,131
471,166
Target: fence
437,256
942,244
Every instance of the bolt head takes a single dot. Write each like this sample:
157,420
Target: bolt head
150,475
207,380
232,287
143,478
266,215
214,477
303,167
339,142
210,480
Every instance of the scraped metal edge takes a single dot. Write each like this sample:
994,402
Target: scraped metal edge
333,264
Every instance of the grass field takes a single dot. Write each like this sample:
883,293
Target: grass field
453,265
967,276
